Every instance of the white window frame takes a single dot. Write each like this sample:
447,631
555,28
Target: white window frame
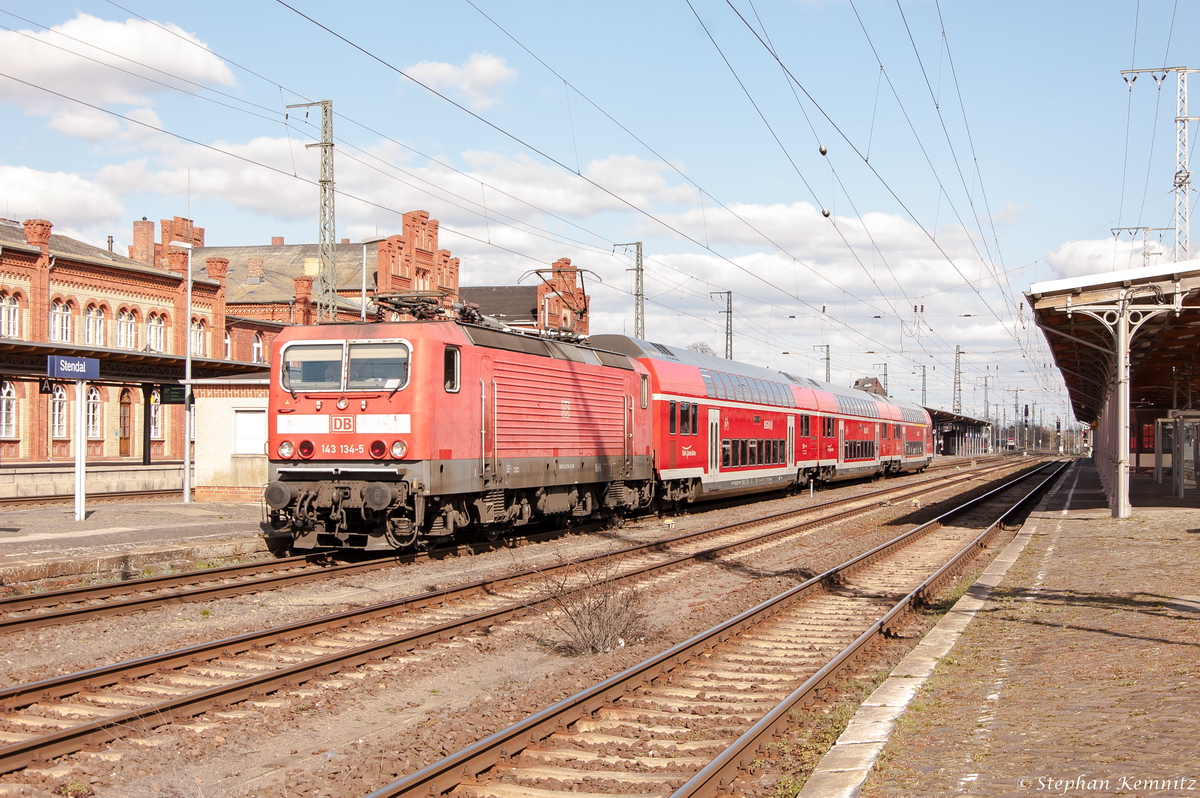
93,412
10,317
155,332
249,432
60,322
256,349
58,412
8,410
197,337
228,346
126,330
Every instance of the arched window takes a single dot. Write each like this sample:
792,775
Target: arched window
155,333
198,339
10,317
93,413
156,415
60,322
126,330
8,410
93,326
228,346
58,412
256,349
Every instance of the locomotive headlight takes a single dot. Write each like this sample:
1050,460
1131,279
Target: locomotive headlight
399,449
286,449
306,449
341,403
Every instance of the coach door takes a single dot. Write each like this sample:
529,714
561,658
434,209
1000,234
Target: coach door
714,440
790,457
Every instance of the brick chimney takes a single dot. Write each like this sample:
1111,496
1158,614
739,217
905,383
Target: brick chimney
304,310
37,234
142,248
178,261
254,271
217,268
277,241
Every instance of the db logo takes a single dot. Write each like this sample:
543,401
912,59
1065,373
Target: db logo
342,423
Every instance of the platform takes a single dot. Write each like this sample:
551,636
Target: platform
1075,674
125,539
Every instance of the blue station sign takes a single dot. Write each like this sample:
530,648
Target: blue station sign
72,368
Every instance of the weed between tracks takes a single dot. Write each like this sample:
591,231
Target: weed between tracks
589,610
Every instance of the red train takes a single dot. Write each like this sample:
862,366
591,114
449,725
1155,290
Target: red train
393,434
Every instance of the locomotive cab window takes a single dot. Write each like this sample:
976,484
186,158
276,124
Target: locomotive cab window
451,369
311,367
645,391
378,366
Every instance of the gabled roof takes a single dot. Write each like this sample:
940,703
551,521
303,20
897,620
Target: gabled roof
280,264
12,236
512,304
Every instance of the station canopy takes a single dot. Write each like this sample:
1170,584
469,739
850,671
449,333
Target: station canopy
1080,318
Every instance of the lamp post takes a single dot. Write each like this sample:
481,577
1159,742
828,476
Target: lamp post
365,242
187,376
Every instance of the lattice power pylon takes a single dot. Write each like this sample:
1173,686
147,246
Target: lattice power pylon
1183,177
327,269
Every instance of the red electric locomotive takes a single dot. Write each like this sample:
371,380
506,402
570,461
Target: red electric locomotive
385,435
393,434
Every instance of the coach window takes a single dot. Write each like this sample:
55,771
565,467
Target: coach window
896,431
695,419
671,419
775,451
685,418
645,391
378,366
753,459
450,369
725,453
736,459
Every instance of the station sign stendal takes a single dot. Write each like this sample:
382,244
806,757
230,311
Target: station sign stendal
72,368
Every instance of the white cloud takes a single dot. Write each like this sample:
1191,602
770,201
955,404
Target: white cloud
480,79
58,60
76,206
1097,256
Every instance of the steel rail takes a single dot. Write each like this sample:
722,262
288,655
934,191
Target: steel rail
35,601
444,775
715,778
21,754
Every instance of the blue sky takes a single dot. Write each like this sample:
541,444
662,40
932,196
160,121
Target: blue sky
994,148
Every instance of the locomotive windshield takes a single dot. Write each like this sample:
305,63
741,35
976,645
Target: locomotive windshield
378,366
323,367
312,367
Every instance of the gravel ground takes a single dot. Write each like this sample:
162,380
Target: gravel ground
352,733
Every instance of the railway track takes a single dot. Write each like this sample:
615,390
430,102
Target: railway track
64,714
69,498
690,721
77,604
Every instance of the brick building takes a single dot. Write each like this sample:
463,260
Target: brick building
60,296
